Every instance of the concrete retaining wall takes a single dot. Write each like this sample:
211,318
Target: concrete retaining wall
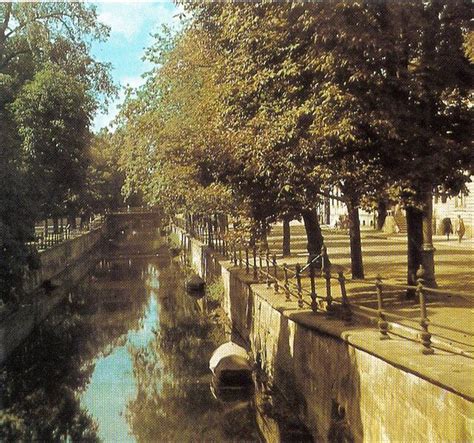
342,391
56,259
63,263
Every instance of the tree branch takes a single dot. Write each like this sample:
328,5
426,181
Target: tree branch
5,62
56,15
6,20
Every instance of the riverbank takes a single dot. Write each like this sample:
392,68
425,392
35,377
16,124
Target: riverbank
346,378
126,358
45,287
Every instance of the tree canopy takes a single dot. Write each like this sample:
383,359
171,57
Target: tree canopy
50,86
275,105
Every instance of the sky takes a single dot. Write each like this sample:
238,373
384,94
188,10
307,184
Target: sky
132,24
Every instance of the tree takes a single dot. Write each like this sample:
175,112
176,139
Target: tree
366,86
53,113
32,34
172,148
264,95
103,179
296,99
430,106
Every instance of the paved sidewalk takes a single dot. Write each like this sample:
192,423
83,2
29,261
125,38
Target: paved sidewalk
451,316
386,255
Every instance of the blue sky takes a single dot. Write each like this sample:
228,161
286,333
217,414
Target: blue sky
131,24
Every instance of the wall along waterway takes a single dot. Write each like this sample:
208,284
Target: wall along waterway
125,358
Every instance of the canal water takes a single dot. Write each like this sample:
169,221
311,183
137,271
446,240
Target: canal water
125,358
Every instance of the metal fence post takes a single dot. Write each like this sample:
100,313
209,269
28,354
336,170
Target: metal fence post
267,262
382,323
327,277
314,303
425,336
286,287
254,253
298,285
275,273
346,310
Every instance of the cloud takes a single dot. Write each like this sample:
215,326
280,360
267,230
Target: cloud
132,24
130,19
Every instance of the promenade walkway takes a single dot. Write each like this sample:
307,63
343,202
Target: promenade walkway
451,316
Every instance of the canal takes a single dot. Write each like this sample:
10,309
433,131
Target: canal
125,358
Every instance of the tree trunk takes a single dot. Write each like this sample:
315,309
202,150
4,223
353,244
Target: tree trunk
427,247
327,210
414,247
381,214
263,235
357,266
187,222
210,240
313,234
286,236
55,225
71,219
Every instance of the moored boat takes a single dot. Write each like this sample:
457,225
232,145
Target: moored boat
232,371
195,286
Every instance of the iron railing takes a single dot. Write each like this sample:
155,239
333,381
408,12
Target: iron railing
263,267
45,240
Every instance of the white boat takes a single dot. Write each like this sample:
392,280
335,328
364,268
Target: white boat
232,369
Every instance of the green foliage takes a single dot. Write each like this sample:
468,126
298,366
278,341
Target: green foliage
53,113
215,293
16,227
103,180
267,106
49,88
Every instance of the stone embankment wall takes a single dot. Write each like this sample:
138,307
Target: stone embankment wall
59,264
342,384
58,258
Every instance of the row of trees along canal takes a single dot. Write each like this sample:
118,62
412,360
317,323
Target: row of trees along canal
260,110
51,165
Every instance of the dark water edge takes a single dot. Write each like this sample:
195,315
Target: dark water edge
125,358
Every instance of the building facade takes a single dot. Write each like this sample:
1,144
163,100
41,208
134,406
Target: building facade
452,207
333,211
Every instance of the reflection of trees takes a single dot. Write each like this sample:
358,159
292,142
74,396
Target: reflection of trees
136,240
173,401
40,381
38,385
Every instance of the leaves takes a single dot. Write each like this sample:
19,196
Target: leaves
50,85
280,103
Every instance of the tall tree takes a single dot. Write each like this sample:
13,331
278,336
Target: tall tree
53,113
32,34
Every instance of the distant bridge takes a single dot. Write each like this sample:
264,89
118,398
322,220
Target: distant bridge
134,210
131,214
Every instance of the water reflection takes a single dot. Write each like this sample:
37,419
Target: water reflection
126,359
